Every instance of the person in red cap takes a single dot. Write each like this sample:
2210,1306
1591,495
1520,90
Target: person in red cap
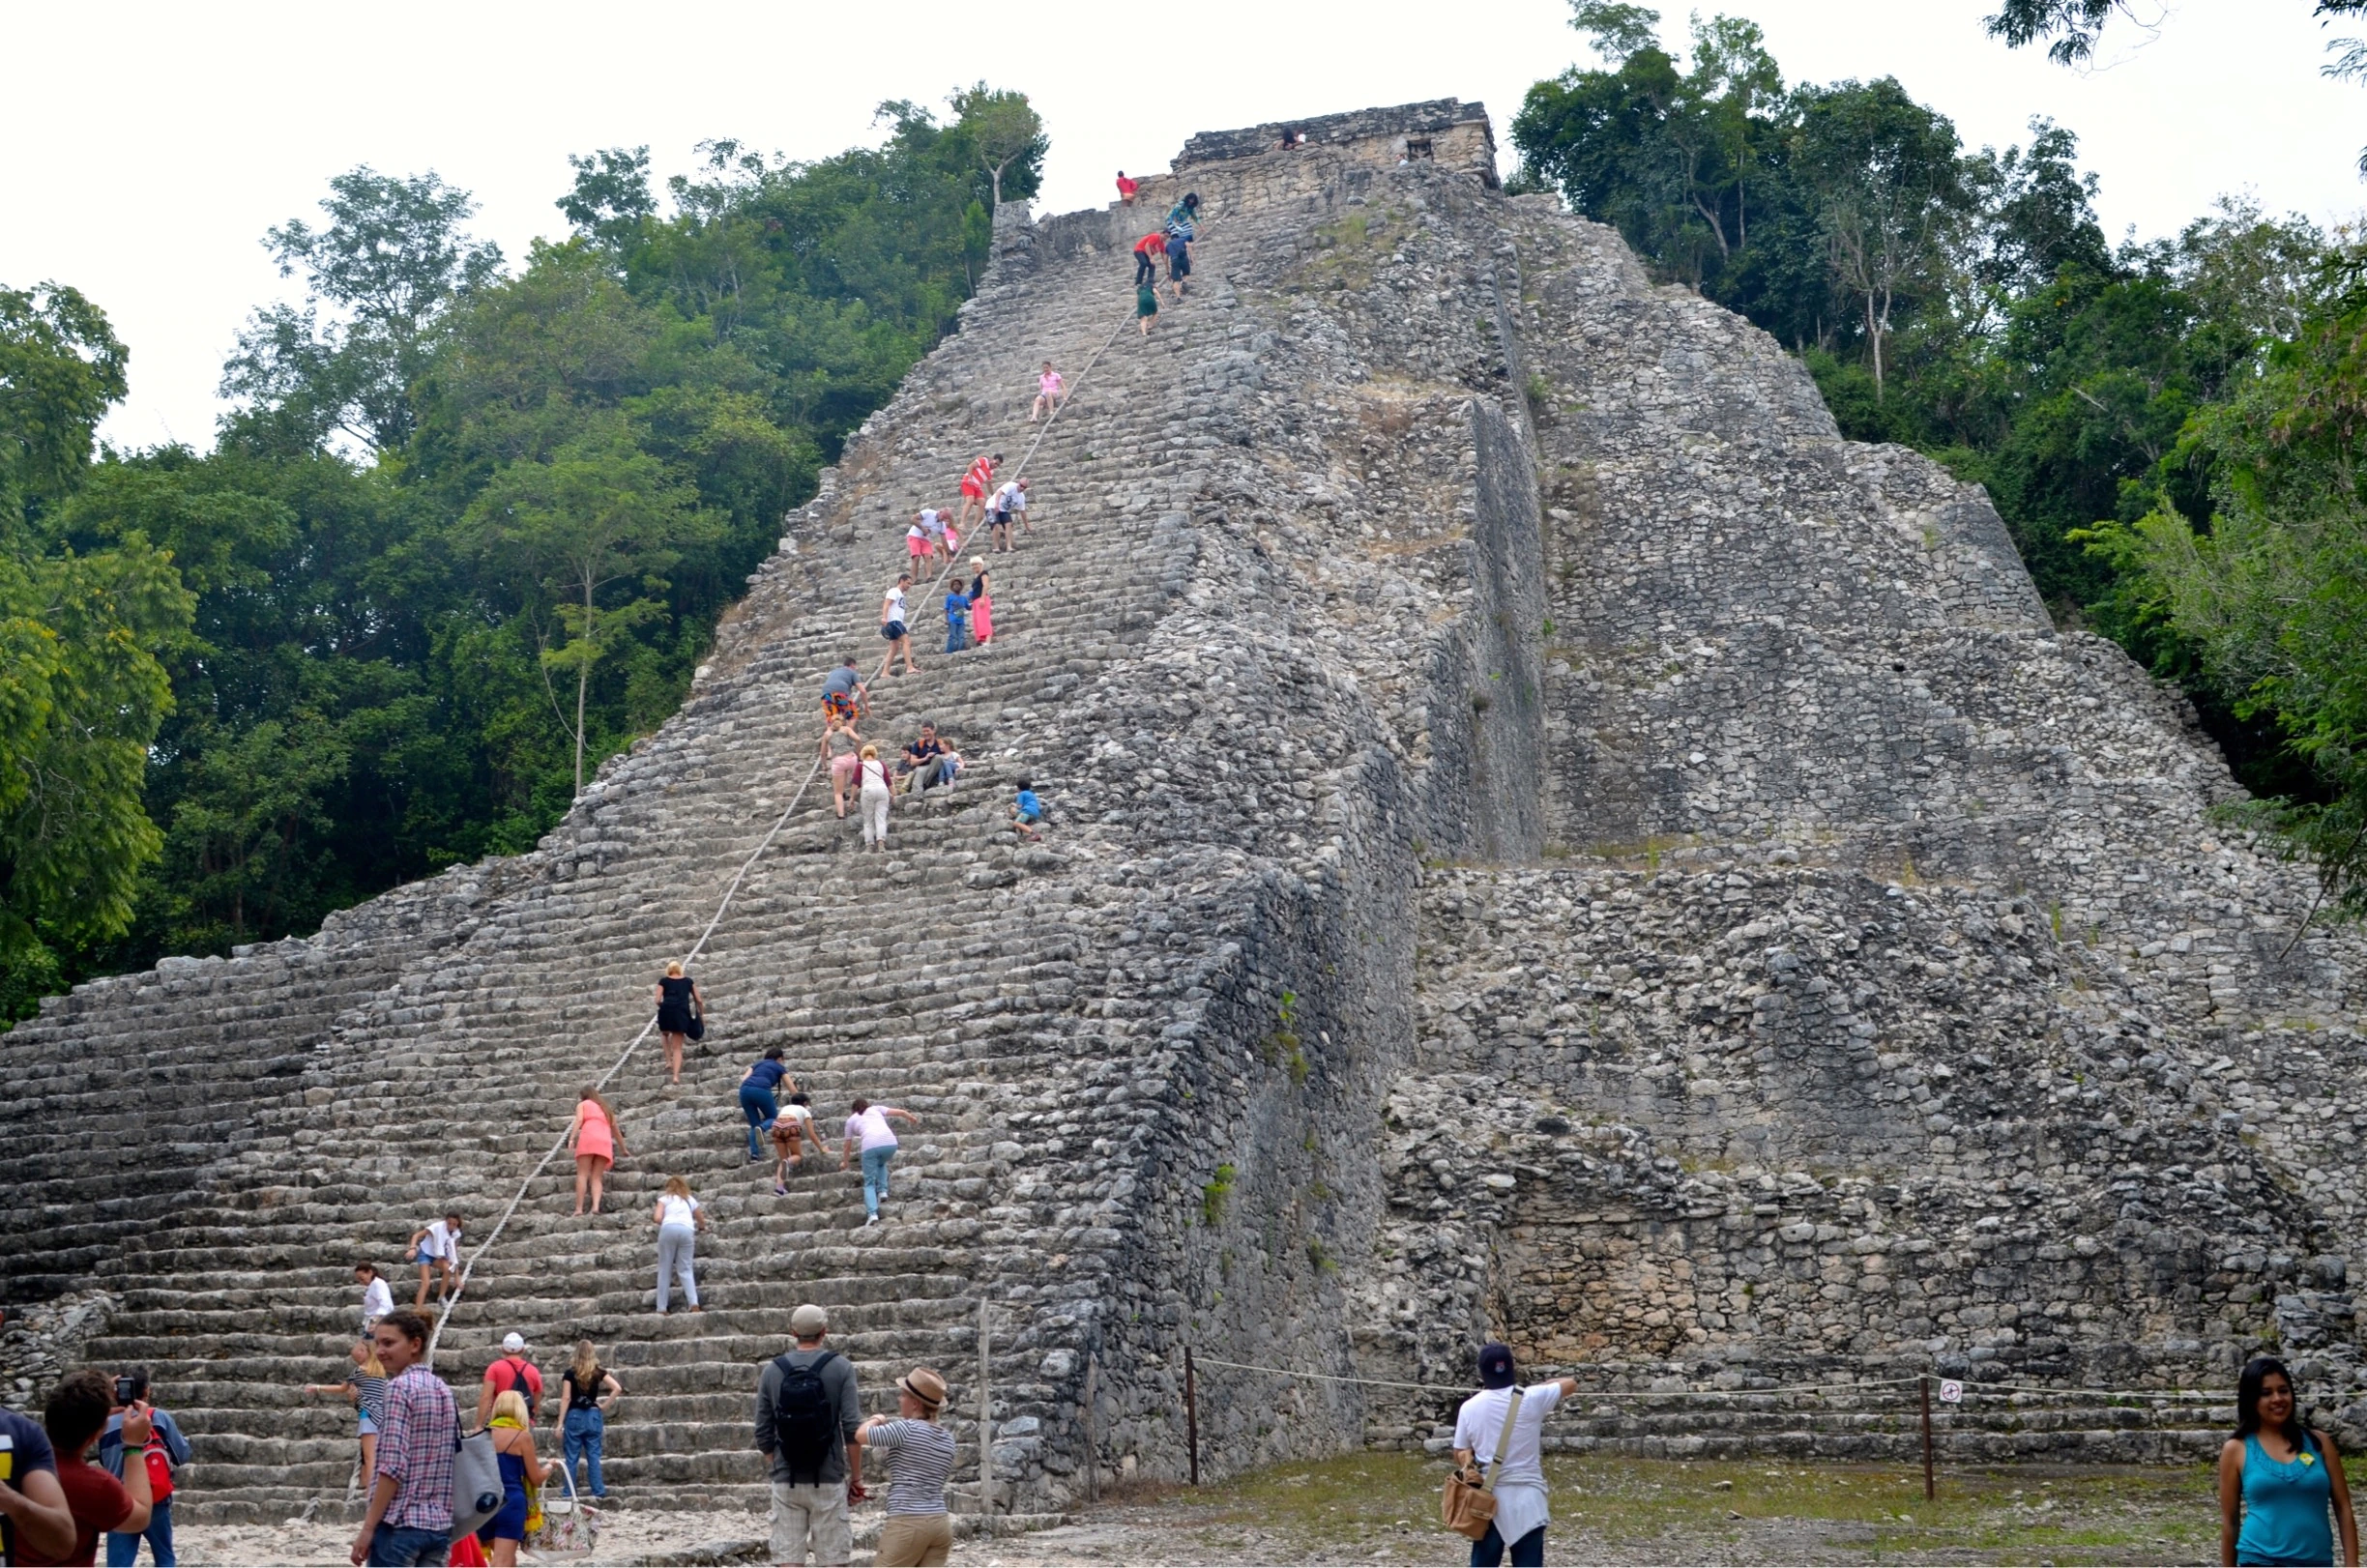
1501,1427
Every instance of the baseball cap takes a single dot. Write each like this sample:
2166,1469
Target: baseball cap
809,1320
1494,1365
514,1343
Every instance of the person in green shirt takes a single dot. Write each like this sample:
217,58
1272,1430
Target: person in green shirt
1146,306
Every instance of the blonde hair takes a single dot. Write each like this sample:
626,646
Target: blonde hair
586,1363
674,970
977,563
512,1403
677,1187
368,1364
871,753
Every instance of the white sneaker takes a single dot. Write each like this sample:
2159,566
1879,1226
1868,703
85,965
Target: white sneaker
870,1221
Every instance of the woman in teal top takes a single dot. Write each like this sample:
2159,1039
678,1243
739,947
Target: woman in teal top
2277,1479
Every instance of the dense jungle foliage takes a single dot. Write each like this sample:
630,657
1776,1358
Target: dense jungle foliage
466,534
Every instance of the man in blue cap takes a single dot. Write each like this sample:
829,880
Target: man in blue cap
1501,1425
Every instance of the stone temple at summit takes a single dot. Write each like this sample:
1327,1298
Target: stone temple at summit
1548,842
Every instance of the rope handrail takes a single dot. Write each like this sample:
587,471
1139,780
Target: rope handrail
1969,1386
468,1268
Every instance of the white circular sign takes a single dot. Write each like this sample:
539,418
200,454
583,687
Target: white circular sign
1952,1392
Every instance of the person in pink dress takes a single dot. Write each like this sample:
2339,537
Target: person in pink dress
982,608
598,1146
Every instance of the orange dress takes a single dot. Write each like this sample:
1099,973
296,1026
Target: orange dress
595,1137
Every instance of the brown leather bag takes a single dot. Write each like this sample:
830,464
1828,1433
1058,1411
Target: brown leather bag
1467,1507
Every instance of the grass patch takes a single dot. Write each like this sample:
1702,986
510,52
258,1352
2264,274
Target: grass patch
1383,1507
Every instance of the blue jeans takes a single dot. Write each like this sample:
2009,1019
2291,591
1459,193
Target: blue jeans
581,1436
762,1111
957,633
1529,1552
875,1176
123,1551
392,1547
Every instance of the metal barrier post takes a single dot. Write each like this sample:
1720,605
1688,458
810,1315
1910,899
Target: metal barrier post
1191,1415
1923,1388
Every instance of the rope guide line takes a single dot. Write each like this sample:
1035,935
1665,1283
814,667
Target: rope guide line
468,1269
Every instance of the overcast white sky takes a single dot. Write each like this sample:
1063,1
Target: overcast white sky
149,145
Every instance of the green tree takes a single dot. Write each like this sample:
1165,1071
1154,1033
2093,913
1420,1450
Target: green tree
585,538
1003,130
1888,190
61,369
391,261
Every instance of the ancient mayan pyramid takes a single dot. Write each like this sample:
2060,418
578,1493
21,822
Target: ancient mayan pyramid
1549,841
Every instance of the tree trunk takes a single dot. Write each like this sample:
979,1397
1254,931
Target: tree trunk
583,683
1874,335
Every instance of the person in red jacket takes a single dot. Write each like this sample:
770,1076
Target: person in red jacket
1126,189
1146,251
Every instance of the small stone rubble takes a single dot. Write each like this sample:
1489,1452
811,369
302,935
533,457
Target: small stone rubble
1548,841
41,1343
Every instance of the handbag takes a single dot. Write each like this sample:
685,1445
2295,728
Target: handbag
570,1526
699,1023
477,1479
1467,1507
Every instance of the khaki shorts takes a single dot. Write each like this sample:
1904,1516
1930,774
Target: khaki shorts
915,1541
812,1517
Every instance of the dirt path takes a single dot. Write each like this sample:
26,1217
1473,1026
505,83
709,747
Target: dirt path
1382,1508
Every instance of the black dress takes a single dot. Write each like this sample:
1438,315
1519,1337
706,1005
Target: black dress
674,1005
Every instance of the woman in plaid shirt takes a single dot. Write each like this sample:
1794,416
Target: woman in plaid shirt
410,1515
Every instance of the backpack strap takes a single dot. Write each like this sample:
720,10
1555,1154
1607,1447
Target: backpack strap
1504,1440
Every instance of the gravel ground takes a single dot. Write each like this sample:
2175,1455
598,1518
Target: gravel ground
1382,1508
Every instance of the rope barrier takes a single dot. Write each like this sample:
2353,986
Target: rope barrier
468,1269
1584,1393
1969,1387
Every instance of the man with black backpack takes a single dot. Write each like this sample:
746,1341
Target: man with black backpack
807,1414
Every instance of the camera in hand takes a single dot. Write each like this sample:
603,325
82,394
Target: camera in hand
130,1389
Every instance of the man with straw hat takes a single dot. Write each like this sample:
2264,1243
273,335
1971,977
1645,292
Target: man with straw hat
919,1454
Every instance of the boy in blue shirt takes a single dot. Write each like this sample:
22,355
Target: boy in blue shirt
957,619
1027,811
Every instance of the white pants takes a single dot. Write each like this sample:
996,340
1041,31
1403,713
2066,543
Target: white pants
873,809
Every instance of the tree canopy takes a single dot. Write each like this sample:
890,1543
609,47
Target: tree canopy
465,533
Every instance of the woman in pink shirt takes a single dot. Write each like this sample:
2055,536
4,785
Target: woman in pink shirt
1050,393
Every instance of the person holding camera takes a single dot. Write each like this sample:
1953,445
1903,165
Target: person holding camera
164,1453
75,1414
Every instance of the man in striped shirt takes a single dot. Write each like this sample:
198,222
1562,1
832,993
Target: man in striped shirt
410,1515
919,1453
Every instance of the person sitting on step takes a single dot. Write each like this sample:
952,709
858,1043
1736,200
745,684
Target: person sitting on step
926,762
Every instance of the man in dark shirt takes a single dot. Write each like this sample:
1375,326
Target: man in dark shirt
809,1506
75,1414
33,1511
928,761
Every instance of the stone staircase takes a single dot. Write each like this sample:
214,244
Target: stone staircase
1492,724
943,977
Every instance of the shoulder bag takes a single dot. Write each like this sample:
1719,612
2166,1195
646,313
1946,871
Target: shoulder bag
1469,1505
477,1479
